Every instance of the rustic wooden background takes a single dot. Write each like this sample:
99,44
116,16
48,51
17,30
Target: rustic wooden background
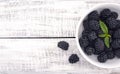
30,31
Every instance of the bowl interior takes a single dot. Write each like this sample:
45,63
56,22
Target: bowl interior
93,59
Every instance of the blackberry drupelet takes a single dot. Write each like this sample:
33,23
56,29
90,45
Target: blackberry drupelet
86,25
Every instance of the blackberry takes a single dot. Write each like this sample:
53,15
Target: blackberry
110,55
93,15
118,25
97,52
99,45
73,58
85,25
89,50
104,14
107,49
92,36
94,25
83,41
99,32
112,23
85,33
111,32
63,45
115,43
102,57
116,34
117,53
114,15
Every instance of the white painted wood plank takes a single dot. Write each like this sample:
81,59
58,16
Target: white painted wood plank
42,18
42,55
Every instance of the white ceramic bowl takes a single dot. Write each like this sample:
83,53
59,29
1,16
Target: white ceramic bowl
93,59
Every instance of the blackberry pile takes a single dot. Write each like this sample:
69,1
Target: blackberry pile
93,44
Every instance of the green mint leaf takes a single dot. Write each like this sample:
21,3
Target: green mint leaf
106,41
102,35
103,27
109,35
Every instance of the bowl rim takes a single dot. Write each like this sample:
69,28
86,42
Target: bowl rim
77,34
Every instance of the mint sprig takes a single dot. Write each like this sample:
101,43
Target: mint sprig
105,34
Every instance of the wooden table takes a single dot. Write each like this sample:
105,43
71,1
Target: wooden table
30,31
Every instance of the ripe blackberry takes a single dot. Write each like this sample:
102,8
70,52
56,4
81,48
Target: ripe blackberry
118,25
111,32
104,14
83,41
94,25
93,15
115,43
102,57
114,15
107,49
92,36
99,32
117,53
89,50
110,55
99,44
85,33
63,45
85,25
112,23
116,34
73,58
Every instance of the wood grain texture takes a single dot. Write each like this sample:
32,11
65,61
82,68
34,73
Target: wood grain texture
42,55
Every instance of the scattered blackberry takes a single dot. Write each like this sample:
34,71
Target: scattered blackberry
114,15
63,45
83,41
86,26
117,53
116,34
92,36
104,14
94,25
112,23
115,43
102,57
73,58
110,55
93,15
99,44
89,50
